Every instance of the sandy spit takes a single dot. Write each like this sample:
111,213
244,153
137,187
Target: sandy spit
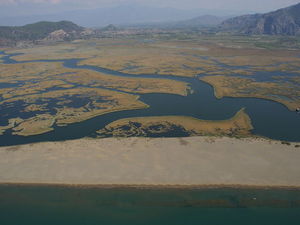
195,161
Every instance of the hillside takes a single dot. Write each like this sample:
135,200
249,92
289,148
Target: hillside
284,21
63,30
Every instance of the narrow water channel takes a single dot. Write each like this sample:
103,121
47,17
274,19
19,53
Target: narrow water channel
269,118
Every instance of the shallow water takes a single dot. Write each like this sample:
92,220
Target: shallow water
269,118
69,205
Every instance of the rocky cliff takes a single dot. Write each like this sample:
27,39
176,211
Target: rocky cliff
284,21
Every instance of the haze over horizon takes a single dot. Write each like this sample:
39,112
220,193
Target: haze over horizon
52,6
21,12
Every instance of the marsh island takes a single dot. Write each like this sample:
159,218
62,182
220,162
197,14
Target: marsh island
66,83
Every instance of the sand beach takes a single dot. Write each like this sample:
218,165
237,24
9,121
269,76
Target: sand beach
195,161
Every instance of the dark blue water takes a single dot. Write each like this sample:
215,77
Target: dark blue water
51,205
269,118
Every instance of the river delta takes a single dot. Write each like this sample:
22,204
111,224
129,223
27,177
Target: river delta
181,88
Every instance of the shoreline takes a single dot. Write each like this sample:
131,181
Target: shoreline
159,163
152,187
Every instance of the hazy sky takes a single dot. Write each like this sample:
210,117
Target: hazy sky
50,6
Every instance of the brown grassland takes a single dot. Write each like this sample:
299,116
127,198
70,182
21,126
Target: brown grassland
98,102
285,93
218,59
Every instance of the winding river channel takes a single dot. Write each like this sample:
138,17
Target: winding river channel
269,119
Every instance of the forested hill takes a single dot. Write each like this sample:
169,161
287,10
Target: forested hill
41,30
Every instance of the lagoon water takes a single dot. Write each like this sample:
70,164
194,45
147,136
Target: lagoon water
45,205
269,118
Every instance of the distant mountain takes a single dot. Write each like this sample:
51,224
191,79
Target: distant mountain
194,23
284,21
110,27
63,30
201,21
119,15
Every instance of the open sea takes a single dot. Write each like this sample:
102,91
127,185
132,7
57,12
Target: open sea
55,205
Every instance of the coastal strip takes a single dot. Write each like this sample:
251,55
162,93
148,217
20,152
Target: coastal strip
193,162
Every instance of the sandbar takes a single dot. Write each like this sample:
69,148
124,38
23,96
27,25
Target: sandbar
194,161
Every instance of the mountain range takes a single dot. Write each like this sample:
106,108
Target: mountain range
284,21
46,31
194,23
122,14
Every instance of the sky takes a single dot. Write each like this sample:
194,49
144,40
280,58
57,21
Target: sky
27,7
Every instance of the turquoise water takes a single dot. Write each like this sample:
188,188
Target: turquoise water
65,205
